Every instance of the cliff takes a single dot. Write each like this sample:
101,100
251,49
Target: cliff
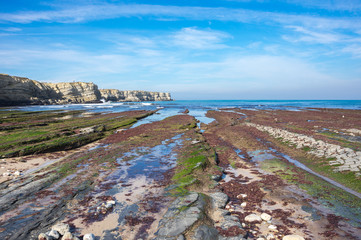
24,91
133,96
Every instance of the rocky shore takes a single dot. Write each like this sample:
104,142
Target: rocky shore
171,180
23,91
346,159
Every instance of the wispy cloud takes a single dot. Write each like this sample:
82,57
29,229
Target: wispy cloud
199,39
91,12
236,75
11,29
354,50
335,5
313,36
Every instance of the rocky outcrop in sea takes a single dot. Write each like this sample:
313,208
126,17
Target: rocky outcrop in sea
23,91
116,95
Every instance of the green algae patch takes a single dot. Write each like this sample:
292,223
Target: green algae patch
26,133
319,165
343,203
193,169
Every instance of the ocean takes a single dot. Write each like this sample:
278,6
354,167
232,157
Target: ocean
197,108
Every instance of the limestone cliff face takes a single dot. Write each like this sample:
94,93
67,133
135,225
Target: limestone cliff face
24,91
77,92
133,96
20,91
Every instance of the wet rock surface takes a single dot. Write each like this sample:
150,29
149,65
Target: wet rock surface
181,215
122,189
205,232
346,158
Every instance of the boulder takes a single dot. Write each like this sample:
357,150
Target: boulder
181,215
219,199
205,232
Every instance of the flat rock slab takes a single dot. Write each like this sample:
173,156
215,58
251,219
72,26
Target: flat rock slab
181,215
219,199
205,232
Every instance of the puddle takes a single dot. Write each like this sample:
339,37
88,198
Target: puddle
47,163
134,185
344,210
243,115
261,155
158,116
149,162
63,181
200,115
300,165
309,209
98,146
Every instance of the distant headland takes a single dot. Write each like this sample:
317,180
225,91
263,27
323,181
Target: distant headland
16,91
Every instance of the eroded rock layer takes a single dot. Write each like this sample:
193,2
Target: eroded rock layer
23,91
133,96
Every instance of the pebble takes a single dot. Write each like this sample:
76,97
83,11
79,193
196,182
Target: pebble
43,236
244,204
108,205
242,196
253,218
17,173
54,234
293,237
195,142
266,217
89,236
270,236
61,228
67,236
272,227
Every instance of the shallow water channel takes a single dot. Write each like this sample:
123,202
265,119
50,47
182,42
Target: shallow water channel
137,188
340,208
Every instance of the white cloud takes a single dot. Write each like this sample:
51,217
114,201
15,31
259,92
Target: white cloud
11,29
82,13
354,50
259,77
318,37
313,36
252,76
335,5
199,39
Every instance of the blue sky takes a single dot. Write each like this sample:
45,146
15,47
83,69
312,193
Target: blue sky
230,49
